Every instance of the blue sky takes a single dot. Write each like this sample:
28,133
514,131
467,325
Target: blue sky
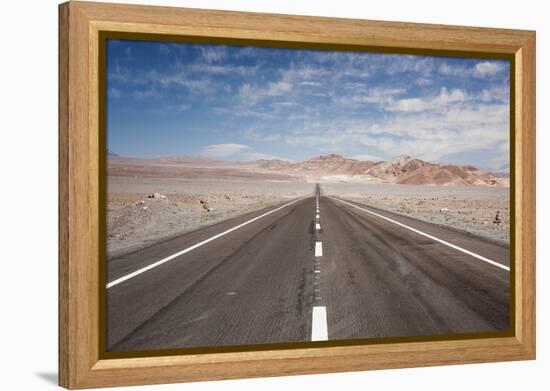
245,103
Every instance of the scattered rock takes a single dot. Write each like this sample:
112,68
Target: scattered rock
205,205
157,195
144,208
444,209
227,196
497,220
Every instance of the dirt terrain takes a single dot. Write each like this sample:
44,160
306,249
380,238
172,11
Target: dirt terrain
402,169
153,199
184,204
471,209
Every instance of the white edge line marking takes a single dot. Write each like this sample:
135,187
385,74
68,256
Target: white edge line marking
317,226
318,249
316,216
482,258
169,258
319,330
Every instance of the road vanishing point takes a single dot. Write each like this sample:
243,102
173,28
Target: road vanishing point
312,269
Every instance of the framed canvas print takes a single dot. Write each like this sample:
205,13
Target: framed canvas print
248,195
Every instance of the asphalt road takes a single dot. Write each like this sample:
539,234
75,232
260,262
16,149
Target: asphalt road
315,269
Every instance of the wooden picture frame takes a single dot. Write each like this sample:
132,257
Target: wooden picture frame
80,170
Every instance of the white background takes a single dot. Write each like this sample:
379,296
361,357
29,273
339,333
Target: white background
28,195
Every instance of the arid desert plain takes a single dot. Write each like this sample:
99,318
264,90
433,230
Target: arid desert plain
150,200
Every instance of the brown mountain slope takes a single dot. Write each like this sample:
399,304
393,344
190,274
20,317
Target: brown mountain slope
330,164
400,170
392,170
406,170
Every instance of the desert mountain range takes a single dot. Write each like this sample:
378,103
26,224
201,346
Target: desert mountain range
330,168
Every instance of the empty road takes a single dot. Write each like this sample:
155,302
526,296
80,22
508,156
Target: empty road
316,268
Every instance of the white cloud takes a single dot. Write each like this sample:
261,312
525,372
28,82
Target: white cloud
180,79
164,49
431,136
220,151
251,94
303,73
311,83
116,73
182,107
256,135
218,69
285,104
210,54
380,96
488,68
248,52
480,69
495,94
247,92
325,137
448,70
423,81
145,94
114,93
278,88
329,101
443,99
401,64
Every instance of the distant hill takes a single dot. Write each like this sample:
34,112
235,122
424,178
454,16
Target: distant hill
407,170
188,160
271,164
331,164
402,169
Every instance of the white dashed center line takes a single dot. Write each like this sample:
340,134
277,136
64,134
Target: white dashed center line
318,249
319,327
319,330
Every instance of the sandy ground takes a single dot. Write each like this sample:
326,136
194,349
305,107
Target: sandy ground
135,221
194,197
472,209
